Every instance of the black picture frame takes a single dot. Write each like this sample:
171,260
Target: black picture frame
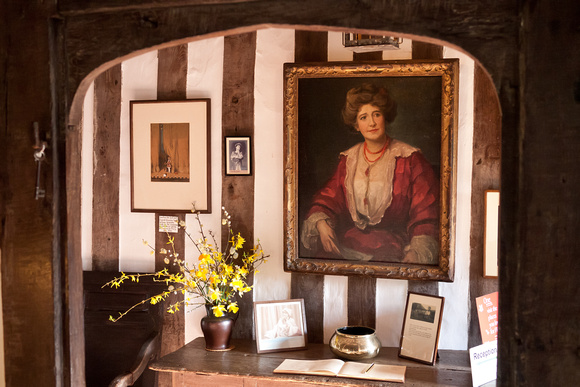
238,155
421,327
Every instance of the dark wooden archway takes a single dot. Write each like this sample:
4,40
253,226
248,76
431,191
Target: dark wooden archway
145,28
539,96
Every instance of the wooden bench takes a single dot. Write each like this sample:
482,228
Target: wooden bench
117,354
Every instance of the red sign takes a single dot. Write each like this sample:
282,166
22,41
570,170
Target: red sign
487,312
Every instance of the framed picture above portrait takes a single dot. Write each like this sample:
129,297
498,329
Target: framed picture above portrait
421,327
370,164
280,325
238,156
170,156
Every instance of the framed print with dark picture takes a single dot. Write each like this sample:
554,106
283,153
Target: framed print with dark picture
280,325
370,168
170,156
238,155
421,327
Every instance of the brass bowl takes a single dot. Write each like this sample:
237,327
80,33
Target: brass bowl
355,343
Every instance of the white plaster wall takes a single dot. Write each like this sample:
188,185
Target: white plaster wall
204,80
275,47
87,179
139,82
454,327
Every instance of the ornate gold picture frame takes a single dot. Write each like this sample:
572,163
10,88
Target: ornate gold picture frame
391,216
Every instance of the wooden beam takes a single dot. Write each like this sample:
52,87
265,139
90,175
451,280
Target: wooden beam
311,47
106,150
362,301
171,85
422,50
367,56
29,228
485,175
238,120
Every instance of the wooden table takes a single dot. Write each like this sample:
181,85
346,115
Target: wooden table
192,365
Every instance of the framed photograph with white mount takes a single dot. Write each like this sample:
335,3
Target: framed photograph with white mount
170,156
370,168
280,325
421,327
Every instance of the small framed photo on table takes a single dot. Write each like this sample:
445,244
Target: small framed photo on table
238,154
421,327
280,325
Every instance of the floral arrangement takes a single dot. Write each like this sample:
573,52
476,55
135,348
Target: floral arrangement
213,282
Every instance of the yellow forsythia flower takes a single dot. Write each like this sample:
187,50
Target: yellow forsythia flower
214,294
219,310
240,242
233,307
237,284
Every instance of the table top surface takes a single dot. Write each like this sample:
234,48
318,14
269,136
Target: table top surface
452,368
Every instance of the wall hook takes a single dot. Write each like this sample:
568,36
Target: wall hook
39,156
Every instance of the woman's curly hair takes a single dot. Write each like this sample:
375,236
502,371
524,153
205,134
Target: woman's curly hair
368,93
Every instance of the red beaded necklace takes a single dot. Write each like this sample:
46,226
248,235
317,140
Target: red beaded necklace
380,152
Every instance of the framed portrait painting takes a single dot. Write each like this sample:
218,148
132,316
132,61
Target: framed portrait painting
238,156
170,156
370,153
280,325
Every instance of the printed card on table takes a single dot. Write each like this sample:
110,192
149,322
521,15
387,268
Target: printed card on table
487,310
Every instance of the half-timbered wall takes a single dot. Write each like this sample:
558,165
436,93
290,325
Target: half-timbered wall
205,76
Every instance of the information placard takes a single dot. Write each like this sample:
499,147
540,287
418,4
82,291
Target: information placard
483,360
487,311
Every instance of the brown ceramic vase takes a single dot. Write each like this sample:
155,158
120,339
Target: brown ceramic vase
217,332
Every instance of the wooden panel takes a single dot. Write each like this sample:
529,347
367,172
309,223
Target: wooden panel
171,85
311,47
367,56
311,288
362,292
74,270
29,228
485,175
421,50
112,348
106,150
172,73
544,267
72,7
238,120
362,308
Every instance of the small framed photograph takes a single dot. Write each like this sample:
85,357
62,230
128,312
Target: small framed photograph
421,327
238,154
491,234
170,156
280,325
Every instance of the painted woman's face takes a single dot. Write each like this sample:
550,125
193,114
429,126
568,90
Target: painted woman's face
370,122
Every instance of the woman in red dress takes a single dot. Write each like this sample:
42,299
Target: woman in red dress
382,203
